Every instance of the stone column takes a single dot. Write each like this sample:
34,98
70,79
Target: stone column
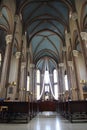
71,81
66,63
22,87
59,89
7,59
32,78
18,56
61,80
42,80
76,88
35,85
52,84
84,39
75,18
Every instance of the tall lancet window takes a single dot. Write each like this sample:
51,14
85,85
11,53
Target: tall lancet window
28,82
55,77
46,77
37,84
46,84
66,82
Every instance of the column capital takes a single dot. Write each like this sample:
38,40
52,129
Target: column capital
18,54
75,53
32,65
8,39
61,64
74,16
16,18
84,35
64,48
23,64
70,63
68,35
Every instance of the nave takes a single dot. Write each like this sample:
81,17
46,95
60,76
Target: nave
46,121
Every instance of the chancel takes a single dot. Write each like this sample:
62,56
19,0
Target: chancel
43,64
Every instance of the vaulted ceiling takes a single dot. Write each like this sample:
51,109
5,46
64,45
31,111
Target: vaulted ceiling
45,22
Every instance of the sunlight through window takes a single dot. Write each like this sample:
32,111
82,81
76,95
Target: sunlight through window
38,84
38,76
47,77
38,91
55,76
66,82
28,83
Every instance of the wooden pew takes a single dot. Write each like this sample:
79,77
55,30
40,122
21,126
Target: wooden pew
77,110
47,106
16,111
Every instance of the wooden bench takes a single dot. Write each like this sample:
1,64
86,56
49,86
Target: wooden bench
47,106
16,111
77,110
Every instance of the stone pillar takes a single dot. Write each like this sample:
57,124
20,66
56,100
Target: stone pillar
35,84
32,78
42,80
71,81
22,87
18,56
75,56
52,84
75,18
61,80
84,39
58,73
3,89
66,64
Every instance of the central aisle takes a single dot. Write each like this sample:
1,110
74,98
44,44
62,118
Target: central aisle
46,121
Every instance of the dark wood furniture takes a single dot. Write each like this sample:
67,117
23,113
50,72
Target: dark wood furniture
16,111
47,106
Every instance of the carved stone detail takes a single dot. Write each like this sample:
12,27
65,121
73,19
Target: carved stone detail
23,64
16,19
18,54
74,16
75,53
84,35
68,35
61,64
8,39
70,63
32,65
64,48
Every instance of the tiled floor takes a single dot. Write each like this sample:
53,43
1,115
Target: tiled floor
46,121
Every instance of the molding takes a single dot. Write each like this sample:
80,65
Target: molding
84,35
75,53
18,54
8,39
32,65
74,16
61,64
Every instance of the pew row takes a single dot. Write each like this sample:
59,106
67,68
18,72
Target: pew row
47,106
18,111
73,110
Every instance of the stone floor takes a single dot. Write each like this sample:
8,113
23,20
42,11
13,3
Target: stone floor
46,121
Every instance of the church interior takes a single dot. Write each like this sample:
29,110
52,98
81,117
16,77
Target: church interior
43,64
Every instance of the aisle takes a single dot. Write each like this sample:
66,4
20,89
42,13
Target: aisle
46,121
